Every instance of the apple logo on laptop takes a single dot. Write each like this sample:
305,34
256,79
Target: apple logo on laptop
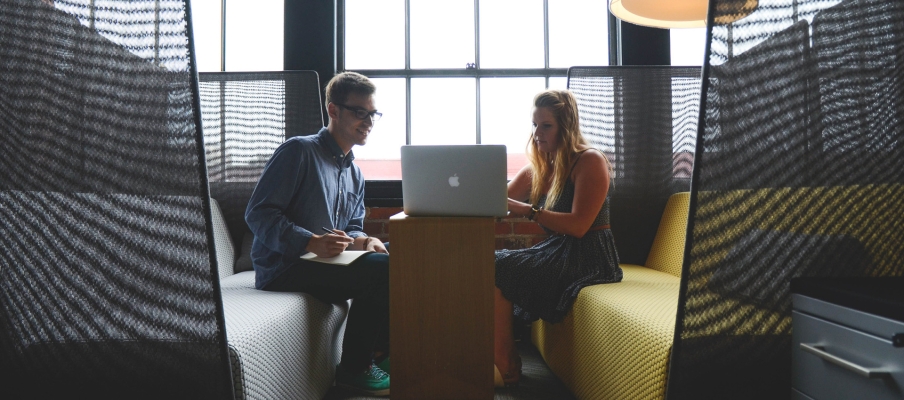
453,180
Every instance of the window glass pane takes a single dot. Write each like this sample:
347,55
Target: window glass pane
379,158
505,115
558,82
374,34
443,111
254,35
578,33
511,34
688,45
206,23
442,33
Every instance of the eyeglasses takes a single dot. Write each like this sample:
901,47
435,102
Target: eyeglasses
361,113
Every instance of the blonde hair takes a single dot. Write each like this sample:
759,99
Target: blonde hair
564,108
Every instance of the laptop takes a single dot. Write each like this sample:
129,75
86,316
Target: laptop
454,181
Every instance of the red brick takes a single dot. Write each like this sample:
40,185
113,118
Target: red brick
500,243
527,228
503,228
383,212
373,228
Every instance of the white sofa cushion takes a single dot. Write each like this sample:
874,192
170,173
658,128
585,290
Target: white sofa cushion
281,345
222,242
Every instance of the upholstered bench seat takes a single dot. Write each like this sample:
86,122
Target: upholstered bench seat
281,345
616,341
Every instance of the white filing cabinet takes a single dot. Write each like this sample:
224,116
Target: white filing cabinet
848,338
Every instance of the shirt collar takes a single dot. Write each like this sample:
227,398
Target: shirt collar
329,144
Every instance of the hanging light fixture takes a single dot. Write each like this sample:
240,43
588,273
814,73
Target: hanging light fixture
679,13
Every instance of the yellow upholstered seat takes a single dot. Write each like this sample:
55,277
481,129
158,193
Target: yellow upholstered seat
667,252
616,341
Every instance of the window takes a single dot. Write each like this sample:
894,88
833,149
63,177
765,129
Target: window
253,37
463,71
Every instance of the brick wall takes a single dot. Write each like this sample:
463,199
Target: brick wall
511,233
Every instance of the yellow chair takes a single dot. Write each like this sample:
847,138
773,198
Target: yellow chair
616,341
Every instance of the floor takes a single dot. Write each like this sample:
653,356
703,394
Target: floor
537,382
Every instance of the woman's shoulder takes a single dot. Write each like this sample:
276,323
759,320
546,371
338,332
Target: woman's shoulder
590,156
591,162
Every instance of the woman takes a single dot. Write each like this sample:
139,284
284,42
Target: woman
565,189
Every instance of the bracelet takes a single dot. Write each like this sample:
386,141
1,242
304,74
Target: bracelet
534,210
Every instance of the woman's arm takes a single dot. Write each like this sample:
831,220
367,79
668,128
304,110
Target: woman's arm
519,192
591,186
519,187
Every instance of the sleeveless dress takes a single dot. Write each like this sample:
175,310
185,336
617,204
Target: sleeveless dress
543,281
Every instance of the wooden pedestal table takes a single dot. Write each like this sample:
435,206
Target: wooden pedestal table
441,279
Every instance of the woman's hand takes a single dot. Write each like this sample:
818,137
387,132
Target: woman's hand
518,209
329,245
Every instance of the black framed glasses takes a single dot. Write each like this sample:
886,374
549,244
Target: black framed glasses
361,113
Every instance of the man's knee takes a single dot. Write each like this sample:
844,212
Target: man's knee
376,265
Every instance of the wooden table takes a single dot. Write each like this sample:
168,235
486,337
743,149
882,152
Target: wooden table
441,281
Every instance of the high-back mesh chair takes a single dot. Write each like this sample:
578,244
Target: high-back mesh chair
246,116
799,171
645,120
108,281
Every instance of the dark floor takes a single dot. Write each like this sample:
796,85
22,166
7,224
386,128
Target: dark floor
537,382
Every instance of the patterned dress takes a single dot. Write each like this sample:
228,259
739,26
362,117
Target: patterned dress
543,281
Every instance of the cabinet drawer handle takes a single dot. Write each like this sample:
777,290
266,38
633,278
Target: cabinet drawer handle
871,373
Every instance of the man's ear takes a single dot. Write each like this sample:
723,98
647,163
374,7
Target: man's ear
332,110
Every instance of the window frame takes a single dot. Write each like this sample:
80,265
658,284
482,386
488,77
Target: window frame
476,72
627,44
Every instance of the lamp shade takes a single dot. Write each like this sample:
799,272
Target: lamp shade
679,13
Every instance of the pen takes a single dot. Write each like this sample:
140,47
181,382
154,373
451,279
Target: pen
330,231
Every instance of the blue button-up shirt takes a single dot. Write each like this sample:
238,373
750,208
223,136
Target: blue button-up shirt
307,184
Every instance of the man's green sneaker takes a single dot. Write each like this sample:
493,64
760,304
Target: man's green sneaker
384,365
374,381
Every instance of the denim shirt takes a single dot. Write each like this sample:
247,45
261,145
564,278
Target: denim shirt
307,184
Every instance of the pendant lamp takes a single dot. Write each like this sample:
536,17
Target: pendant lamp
679,13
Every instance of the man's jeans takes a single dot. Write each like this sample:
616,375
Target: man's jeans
366,282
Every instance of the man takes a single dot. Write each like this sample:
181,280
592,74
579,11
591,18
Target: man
309,184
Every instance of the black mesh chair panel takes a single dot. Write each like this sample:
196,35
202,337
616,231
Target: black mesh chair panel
798,173
246,116
858,66
645,120
108,286
762,107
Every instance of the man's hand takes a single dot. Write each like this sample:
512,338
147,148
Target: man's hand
374,244
329,245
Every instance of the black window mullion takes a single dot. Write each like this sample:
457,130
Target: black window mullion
407,69
223,36
408,109
546,39
477,64
465,72
407,35
340,36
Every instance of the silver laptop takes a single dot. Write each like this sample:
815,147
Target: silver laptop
454,181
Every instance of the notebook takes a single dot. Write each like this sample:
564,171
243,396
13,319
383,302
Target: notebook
454,181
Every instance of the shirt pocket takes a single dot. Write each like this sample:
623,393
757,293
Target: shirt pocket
351,201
